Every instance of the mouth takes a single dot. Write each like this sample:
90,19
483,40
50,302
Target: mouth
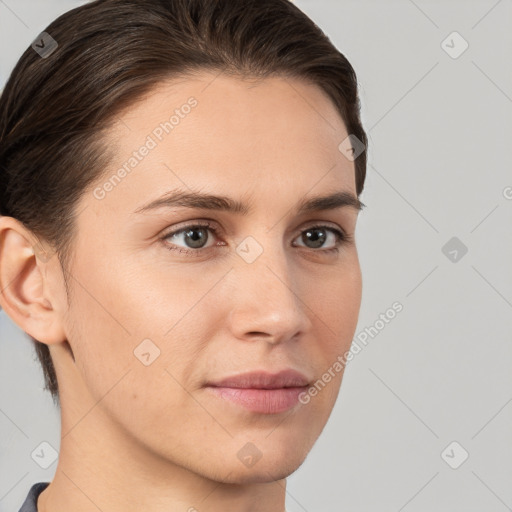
261,392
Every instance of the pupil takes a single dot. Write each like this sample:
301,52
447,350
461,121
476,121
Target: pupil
318,241
315,236
195,242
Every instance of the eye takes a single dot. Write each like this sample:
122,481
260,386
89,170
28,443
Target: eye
195,238
316,237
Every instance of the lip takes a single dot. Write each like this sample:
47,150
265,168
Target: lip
262,392
264,380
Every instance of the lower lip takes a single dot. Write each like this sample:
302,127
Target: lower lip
264,401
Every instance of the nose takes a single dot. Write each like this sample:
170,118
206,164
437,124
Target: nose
269,299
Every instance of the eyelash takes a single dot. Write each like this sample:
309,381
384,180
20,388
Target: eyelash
342,238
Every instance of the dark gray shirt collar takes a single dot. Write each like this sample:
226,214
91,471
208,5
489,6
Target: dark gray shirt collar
30,503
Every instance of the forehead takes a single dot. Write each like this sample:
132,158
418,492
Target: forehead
235,97
228,134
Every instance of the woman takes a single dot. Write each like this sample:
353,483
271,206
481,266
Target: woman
179,197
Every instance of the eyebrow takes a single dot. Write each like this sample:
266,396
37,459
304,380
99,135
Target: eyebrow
180,198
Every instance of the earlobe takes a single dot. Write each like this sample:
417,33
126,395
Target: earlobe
23,291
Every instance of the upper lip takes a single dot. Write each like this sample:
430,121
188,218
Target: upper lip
263,380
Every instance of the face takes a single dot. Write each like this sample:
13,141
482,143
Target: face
168,299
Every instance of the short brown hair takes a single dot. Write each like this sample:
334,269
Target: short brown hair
110,53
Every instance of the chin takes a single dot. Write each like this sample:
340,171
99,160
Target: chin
261,472
273,461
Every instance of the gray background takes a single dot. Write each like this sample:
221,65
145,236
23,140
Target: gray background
440,371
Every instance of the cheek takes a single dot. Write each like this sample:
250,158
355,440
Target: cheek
130,368
129,321
336,305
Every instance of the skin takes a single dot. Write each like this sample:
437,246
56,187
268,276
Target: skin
138,437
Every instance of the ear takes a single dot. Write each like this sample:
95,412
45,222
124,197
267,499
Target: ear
25,290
